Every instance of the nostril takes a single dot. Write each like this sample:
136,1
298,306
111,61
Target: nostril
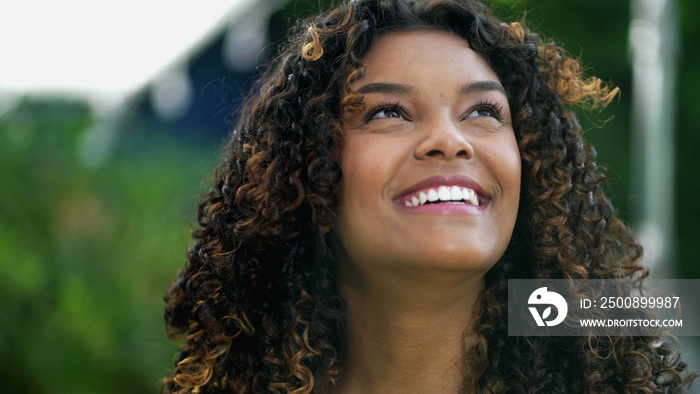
434,152
462,153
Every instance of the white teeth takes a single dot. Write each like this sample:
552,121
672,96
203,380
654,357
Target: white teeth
422,198
447,194
473,199
432,195
455,193
444,193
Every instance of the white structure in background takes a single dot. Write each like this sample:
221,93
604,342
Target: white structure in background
654,42
106,51
103,51
171,92
654,47
246,39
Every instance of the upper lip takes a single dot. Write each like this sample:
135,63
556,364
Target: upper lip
447,180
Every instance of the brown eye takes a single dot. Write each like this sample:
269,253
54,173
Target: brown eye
482,112
385,112
492,110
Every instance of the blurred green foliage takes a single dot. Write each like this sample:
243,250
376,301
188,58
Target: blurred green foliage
87,251
85,254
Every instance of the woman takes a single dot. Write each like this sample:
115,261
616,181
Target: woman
397,163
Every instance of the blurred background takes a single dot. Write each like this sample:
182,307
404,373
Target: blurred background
111,118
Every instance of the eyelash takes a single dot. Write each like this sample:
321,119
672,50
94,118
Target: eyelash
379,107
494,107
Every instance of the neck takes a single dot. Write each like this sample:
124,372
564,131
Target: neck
407,332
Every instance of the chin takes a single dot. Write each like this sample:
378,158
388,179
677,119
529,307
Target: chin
457,259
467,264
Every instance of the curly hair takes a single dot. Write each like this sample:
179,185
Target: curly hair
257,301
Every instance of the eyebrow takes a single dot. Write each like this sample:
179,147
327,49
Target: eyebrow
481,86
401,89
384,87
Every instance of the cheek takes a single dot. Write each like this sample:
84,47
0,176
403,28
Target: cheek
366,164
356,189
508,166
517,170
353,164
502,158
514,172
513,166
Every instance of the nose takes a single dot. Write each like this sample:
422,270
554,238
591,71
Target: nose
444,140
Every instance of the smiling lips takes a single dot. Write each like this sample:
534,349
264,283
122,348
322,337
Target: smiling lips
442,194
456,194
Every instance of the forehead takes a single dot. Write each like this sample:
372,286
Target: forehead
418,53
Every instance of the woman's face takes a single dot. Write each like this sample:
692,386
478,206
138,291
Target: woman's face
431,168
